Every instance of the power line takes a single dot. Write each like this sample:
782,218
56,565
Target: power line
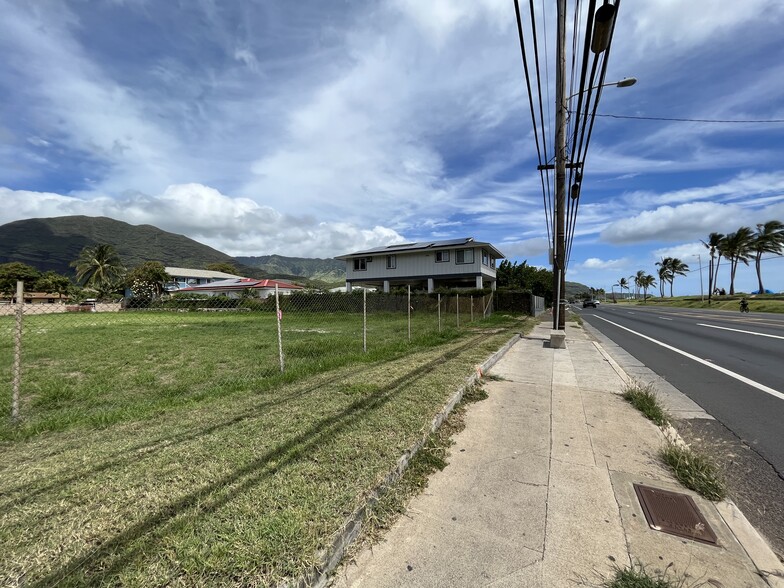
699,120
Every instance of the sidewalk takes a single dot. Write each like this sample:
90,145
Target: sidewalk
538,491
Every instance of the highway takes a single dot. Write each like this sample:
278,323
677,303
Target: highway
731,364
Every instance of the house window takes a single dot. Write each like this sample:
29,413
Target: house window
360,264
464,256
485,257
391,262
442,256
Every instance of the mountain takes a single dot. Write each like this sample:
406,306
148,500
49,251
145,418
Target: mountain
325,270
53,243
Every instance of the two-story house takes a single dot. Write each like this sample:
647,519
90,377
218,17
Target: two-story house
457,263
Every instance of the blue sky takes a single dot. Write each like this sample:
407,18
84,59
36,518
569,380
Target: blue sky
318,128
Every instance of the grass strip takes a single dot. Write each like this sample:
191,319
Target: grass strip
644,399
432,457
695,471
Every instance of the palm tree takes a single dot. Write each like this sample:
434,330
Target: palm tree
677,268
638,280
98,267
623,284
736,247
769,238
664,273
713,245
647,281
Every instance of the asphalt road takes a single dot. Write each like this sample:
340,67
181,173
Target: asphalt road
747,396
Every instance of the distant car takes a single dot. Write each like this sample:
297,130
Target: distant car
590,303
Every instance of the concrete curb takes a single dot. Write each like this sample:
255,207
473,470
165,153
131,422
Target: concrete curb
762,556
331,557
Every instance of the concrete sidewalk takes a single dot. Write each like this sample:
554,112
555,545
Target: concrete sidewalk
538,491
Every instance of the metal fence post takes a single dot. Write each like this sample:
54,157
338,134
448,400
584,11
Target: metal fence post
472,309
439,313
364,321
457,304
409,314
17,371
279,316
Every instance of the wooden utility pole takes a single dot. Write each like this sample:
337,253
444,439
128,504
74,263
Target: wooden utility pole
559,234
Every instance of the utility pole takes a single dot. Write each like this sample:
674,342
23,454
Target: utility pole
559,234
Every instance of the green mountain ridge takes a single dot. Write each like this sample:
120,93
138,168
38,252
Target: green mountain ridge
53,243
325,270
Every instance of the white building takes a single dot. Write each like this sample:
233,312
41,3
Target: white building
458,263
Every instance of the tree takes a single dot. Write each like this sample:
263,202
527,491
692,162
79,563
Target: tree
623,284
713,245
736,247
147,280
677,268
769,238
14,271
52,282
665,273
647,281
99,267
638,277
227,268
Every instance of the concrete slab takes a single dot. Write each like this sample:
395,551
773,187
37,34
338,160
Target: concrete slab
727,563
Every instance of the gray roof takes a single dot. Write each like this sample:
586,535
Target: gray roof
406,247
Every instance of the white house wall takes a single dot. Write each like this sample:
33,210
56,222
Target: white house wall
420,264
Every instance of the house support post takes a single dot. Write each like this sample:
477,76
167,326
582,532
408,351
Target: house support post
430,285
479,283
348,287
386,286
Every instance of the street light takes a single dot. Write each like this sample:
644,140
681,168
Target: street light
624,83
699,261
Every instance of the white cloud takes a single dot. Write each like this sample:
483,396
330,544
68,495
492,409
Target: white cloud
668,223
524,249
609,264
236,226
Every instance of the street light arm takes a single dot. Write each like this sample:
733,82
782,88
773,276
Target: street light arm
624,83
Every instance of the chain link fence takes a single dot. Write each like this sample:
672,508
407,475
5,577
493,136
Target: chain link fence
107,362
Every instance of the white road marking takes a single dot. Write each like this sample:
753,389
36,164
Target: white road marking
665,318
718,368
740,331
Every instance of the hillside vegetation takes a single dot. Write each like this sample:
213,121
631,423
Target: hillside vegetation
53,243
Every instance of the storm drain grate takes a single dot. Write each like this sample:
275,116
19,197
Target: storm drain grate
674,513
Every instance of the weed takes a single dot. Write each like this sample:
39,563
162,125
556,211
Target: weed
637,576
695,471
644,399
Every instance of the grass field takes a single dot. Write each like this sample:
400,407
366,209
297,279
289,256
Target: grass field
198,483
767,303
96,369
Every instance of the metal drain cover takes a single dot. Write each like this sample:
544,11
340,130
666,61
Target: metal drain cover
674,513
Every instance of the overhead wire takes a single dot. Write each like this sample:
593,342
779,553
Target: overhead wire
571,204
548,196
543,147
698,120
605,56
